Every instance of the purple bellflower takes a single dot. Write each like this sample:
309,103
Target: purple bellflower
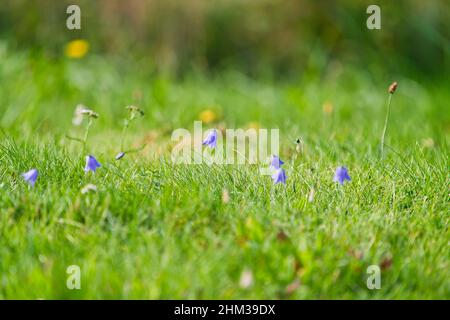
279,176
276,162
91,164
30,176
341,175
120,155
211,139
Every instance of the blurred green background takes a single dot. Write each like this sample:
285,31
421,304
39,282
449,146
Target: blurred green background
258,37
154,230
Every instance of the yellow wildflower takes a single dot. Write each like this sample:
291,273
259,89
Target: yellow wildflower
428,143
77,49
327,107
208,116
253,125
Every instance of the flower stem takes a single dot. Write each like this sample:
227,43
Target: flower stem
135,149
74,139
124,131
383,135
86,133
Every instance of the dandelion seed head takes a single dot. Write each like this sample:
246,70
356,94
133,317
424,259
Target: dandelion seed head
89,188
246,279
78,114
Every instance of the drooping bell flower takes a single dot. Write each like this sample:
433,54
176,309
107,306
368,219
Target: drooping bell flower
120,155
279,176
341,175
276,162
91,164
211,139
30,176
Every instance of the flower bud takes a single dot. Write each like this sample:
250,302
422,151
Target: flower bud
393,87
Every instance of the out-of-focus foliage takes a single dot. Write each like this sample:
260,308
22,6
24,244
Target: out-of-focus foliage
253,35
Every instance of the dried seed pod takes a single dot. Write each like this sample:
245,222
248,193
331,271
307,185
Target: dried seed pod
393,87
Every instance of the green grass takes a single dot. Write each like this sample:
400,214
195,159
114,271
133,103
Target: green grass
158,230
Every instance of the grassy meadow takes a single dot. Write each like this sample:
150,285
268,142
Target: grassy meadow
156,230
